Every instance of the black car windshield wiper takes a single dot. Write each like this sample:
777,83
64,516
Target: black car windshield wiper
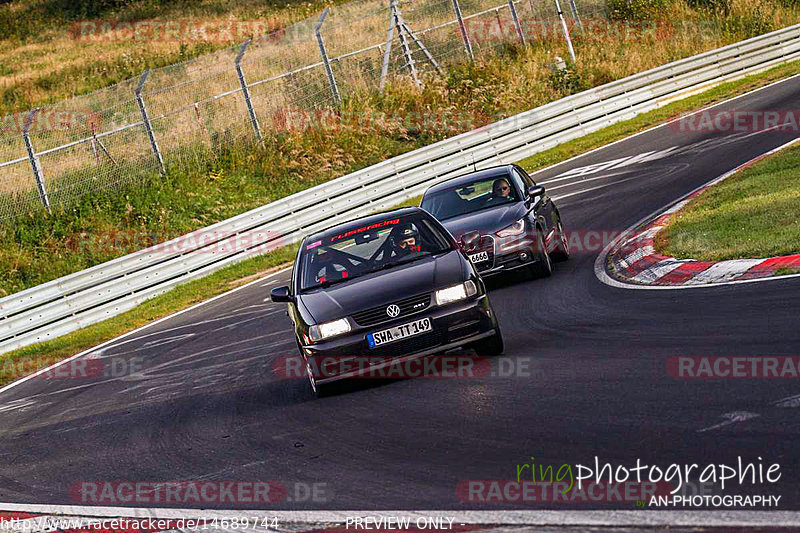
393,264
327,283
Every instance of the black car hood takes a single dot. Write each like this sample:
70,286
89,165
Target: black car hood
385,287
487,220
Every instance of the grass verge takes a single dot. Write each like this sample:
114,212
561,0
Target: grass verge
41,355
754,213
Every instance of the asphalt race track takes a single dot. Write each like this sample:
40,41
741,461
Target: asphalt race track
590,360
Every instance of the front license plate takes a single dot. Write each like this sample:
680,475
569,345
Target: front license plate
480,256
396,333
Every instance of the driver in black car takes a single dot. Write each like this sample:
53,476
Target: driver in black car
405,242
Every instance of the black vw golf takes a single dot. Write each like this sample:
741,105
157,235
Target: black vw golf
503,219
382,289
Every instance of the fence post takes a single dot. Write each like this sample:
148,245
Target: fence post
245,91
317,31
463,29
388,52
566,31
516,21
34,159
575,14
146,119
404,46
421,46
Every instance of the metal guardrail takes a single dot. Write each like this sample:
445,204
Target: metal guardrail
92,295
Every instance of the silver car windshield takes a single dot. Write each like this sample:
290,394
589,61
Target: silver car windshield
468,198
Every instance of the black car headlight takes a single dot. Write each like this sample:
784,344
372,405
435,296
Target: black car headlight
462,291
330,329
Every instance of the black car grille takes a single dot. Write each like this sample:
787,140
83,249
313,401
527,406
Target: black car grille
408,306
408,346
486,245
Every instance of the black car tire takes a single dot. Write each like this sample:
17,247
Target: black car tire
490,346
543,266
561,253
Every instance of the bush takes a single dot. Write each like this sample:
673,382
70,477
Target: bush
758,22
567,81
716,6
633,9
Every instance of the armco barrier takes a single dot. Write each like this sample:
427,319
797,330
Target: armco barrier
72,302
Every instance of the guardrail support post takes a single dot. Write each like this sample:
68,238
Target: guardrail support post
328,70
463,29
245,91
34,159
566,31
516,21
146,119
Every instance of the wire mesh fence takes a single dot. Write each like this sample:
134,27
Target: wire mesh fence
178,114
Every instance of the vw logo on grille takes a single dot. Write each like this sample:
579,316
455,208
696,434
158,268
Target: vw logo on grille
393,310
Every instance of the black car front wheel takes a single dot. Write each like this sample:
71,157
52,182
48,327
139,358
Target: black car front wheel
543,266
490,346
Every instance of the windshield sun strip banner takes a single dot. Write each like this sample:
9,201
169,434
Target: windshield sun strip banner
377,225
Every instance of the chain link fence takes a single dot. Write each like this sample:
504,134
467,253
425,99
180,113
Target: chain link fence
51,157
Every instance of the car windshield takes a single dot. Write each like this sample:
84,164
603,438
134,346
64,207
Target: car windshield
470,197
360,249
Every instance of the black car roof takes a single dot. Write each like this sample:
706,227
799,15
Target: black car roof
365,221
470,177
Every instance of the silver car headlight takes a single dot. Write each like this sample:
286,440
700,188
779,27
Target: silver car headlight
455,293
517,228
327,330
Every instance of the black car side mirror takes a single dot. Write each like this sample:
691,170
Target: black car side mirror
280,294
536,190
470,241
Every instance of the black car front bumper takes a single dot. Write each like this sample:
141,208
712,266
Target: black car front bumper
453,326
